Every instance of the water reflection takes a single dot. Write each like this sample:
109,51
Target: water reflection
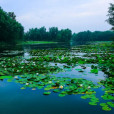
19,50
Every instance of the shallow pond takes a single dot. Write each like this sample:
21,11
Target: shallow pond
56,79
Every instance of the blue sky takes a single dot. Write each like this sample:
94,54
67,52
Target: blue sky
77,15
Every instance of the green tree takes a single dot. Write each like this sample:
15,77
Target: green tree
64,35
10,30
53,31
111,15
53,34
87,36
12,15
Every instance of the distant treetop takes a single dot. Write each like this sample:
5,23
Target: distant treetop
110,20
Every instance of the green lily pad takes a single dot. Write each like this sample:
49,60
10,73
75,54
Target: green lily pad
106,108
110,104
78,69
103,104
56,90
92,103
47,93
2,74
62,95
5,77
9,80
40,87
94,71
47,89
83,97
22,88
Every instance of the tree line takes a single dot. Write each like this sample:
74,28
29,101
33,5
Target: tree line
88,36
53,34
11,31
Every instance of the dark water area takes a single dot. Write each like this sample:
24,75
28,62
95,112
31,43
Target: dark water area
14,100
16,50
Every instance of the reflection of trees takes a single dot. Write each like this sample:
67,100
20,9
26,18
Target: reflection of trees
46,46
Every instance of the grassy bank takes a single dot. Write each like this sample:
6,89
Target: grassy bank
38,42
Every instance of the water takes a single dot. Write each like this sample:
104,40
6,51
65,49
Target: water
14,100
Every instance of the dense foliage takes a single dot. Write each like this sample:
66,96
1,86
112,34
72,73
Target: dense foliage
111,15
93,36
53,34
65,35
10,30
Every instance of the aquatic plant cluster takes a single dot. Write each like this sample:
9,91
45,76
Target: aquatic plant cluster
38,72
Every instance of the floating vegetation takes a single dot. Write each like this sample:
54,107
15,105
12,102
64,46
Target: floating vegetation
40,69
105,106
110,104
94,71
5,77
47,93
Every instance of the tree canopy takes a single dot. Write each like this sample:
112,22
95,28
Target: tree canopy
88,36
111,15
53,34
11,31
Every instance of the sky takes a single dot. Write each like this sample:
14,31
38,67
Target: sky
77,15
